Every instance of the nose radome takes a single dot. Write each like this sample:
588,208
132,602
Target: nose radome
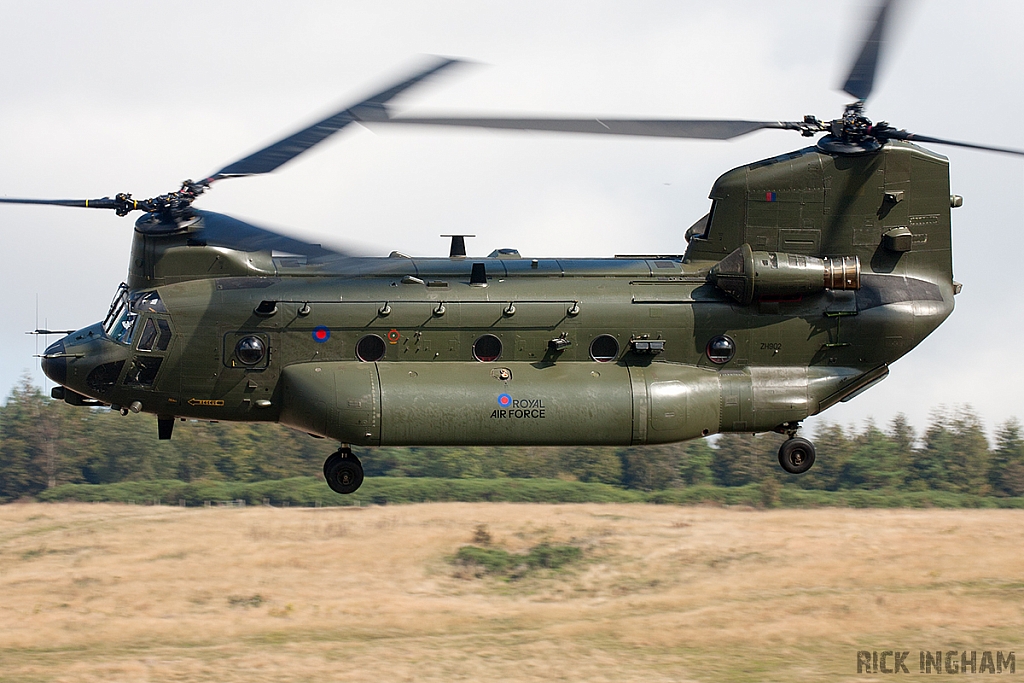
55,365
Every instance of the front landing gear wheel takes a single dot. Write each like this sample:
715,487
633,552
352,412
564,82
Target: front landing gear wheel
796,455
343,471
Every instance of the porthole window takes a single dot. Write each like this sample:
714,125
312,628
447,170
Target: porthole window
250,350
487,348
721,349
370,348
604,348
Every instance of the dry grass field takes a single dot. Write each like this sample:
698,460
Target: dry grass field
123,593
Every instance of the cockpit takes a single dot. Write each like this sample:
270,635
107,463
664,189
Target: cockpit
124,312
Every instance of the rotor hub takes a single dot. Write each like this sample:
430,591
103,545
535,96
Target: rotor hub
851,134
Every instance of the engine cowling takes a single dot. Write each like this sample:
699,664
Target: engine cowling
749,276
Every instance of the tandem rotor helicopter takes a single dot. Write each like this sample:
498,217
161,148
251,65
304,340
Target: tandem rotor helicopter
813,271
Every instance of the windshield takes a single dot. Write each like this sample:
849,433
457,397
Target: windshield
117,307
123,326
124,311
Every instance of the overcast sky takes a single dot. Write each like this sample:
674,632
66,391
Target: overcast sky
117,96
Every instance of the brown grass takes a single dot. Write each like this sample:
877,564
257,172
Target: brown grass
124,593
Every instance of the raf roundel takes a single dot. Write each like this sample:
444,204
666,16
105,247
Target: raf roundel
504,400
321,334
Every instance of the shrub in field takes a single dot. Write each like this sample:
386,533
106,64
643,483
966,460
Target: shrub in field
479,562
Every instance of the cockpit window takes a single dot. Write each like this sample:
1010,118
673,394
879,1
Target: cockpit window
155,336
124,311
120,318
148,302
117,306
143,371
123,327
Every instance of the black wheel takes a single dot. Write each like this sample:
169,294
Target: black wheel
343,472
796,455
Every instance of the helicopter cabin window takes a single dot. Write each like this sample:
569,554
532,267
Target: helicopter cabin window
487,348
604,348
250,350
155,336
721,349
370,348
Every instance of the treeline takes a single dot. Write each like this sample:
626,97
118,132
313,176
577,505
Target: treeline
45,443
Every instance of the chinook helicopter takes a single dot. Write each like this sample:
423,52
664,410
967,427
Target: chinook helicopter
812,273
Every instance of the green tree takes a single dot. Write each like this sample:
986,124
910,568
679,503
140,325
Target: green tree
123,448
1006,471
903,436
34,454
695,467
745,458
525,463
874,461
21,448
955,456
650,468
591,464
834,449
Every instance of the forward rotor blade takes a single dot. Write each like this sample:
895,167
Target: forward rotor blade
281,152
667,128
221,230
104,203
178,204
914,137
862,74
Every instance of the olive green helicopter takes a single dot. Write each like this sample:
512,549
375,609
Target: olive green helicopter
812,272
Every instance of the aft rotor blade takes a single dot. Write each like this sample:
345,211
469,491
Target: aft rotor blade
281,152
914,137
711,129
862,74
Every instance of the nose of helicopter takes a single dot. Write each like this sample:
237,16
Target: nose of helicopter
55,364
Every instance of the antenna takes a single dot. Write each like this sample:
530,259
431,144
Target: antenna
458,248
39,367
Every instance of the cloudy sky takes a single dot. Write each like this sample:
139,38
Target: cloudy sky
116,96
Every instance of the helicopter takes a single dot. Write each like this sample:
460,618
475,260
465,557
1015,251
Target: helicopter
811,274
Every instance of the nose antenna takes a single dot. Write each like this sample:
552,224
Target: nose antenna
44,331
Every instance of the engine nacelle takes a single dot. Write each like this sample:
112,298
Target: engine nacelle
749,276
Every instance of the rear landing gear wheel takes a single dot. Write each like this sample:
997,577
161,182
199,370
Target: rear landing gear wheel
796,455
343,471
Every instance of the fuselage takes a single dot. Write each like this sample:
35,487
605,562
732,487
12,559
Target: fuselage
629,350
